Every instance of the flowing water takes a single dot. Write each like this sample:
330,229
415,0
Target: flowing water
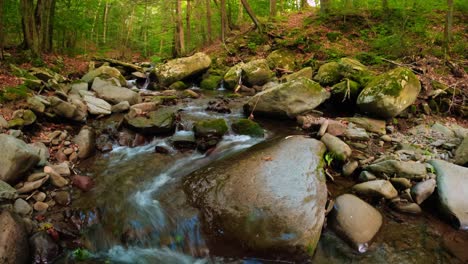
138,211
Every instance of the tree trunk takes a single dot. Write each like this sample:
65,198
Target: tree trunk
208,20
188,25
252,15
180,42
37,21
104,30
2,36
448,24
272,8
224,26
240,16
95,21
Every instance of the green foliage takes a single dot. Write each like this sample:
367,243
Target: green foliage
329,157
334,36
81,254
14,93
155,59
369,58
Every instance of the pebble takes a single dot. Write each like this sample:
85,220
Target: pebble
36,176
83,182
409,208
350,167
39,197
22,207
366,176
68,151
401,183
40,206
422,190
62,198
386,138
56,179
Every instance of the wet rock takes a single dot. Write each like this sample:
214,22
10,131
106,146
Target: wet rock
30,186
179,85
388,94
62,198
219,106
44,249
340,150
55,178
16,159
82,182
104,72
257,72
104,143
7,192
212,127
241,196
422,190
288,99
446,132
379,188
211,82
42,152
179,69
355,220
40,206
97,106
232,76
247,127
145,107
14,247
406,169
461,154
120,107
452,186
39,197
356,133
369,124
184,140
115,95
350,167
282,59
366,176
161,121
86,141
161,150
190,94
401,183
407,208
22,207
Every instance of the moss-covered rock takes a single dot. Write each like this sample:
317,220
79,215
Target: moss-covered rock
211,82
104,72
161,121
328,74
388,94
247,127
179,85
288,99
346,89
232,76
179,69
257,72
213,127
282,59
306,73
354,70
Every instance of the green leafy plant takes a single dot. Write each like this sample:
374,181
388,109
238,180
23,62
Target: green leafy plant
329,158
81,254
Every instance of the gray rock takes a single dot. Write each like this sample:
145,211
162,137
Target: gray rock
251,205
406,169
22,207
62,168
36,104
99,82
257,72
115,94
3,123
14,248
422,190
282,59
62,108
356,133
156,122
306,73
369,124
452,187
355,220
340,150
104,72
179,69
184,139
388,94
42,151
55,178
407,208
461,154
79,86
120,107
350,167
381,188
22,117
365,176
233,75
401,183
97,106
16,159
86,141
7,192
288,99
30,186
443,130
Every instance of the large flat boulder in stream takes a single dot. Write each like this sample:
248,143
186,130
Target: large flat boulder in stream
14,247
16,159
452,187
288,99
269,197
179,69
161,121
116,94
388,94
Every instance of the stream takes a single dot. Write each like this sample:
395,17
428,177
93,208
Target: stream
138,211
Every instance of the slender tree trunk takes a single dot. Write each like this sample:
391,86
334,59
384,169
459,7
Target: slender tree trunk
272,8
208,21
448,24
104,30
252,15
188,25
93,29
240,16
145,29
224,26
2,36
130,26
180,47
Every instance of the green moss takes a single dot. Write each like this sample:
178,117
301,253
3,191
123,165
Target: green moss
217,127
340,90
16,122
247,127
179,85
211,82
164,99
328,74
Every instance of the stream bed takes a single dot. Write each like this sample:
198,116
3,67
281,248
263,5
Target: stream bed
138,211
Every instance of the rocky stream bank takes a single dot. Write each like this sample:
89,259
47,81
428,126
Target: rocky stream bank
361,159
